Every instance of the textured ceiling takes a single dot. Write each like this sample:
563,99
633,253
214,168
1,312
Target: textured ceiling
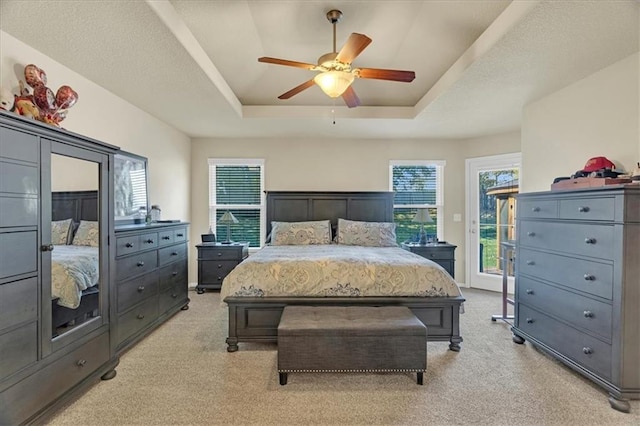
477,62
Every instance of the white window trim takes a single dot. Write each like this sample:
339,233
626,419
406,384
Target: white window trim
439,206
212,193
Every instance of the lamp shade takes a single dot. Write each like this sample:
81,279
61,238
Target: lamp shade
422,216
228,219
334,83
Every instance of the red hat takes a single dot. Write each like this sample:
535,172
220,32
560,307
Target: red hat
598,163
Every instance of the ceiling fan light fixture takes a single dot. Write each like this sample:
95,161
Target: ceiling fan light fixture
334,83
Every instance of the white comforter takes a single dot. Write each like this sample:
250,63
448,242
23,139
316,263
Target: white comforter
337,270
73,269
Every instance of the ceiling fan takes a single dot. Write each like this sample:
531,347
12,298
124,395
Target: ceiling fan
336,72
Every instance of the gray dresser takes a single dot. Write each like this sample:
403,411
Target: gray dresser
43,362
151,278
578,283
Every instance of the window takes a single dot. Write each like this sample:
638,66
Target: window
417,184
237,185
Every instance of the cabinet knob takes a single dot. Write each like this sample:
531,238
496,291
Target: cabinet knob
588,314
535,209
174,295
174,273
583,209
179,235
219,253
587,350
81,362
140,316
219,266
128,245
141,289
166,238
219,278
589,277
529,291
589,240
529,320
140,264
46,247
149,241
531,234
174,253
530,262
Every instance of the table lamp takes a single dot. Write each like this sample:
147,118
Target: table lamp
228,219
422,216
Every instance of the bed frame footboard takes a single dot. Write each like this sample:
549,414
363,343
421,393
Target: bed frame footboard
257,319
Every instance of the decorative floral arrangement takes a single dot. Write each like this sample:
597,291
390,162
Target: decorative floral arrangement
42,104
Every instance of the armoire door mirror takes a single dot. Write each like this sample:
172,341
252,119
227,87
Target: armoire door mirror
130,186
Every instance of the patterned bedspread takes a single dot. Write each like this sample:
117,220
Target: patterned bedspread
337,270
73,269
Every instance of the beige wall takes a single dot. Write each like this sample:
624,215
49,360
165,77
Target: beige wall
72,174
344,165
596,116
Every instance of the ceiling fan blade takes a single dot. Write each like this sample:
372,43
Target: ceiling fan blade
382,74
355,44
350,97
286,62
297,89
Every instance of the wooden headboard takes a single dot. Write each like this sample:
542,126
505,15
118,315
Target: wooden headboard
74,204
296,206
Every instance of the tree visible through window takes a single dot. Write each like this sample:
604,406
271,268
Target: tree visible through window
237,186
417,184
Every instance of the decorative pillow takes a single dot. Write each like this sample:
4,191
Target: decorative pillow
370,234
300,233
61,232
88,234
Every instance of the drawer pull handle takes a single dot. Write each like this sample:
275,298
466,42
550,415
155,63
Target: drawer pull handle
149,241
81,362
589,240
174,253
174,273
587,350
588,314
529,320
583,209
535,209
529,291
141,288
140,316
589,277
531,234
128,245
174,295
140,263
219,253
166,238
219,278
530,262
179,235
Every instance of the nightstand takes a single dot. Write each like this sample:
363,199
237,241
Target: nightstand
215,261
441,253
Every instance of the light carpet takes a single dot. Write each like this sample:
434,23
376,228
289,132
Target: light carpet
182,374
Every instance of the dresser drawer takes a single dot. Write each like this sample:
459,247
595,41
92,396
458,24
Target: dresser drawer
18,302
432,253
586,350
137,319
175,295
175,273
180,235
18,211
215,253
214,272
136,290
19,179
583,312
149,241
588,208
571,238
18,348
166,238
19,145
127,245
137,264
19,402
18,253
543,209
588,276
170,254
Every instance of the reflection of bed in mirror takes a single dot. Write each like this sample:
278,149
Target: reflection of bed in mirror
74,272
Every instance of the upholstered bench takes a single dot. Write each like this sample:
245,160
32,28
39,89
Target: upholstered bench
351,339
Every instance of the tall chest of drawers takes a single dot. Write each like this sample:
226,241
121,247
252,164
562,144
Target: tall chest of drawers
578,283
151,279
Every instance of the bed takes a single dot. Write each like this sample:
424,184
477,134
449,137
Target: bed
254,308
74,268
